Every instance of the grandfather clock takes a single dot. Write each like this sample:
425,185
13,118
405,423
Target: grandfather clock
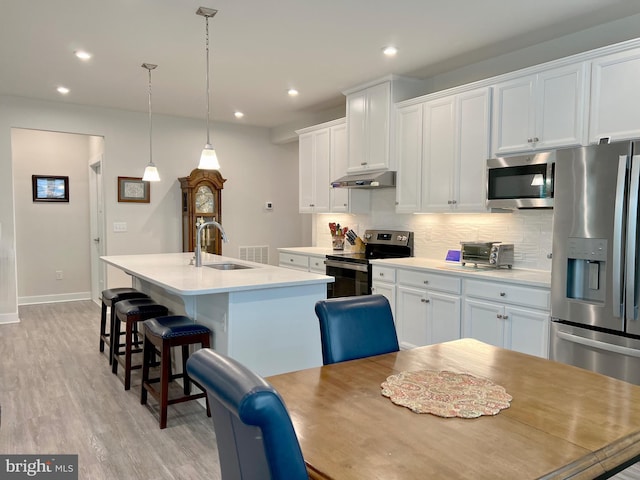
201,202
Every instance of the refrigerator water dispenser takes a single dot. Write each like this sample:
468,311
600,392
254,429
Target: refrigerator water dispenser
586,269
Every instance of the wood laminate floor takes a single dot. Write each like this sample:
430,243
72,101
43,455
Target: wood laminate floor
58,395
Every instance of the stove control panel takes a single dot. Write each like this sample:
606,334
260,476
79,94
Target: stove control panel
388,237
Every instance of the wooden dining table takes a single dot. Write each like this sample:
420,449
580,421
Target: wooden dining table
562,422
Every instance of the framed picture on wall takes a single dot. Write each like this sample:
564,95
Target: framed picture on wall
50,188
133,189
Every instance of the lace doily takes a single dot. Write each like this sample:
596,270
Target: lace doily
446,394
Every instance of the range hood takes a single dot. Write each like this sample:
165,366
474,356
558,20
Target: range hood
384,179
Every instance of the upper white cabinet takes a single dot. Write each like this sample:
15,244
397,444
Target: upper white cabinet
344,200
615,97
540,111
314,187
370,125
409,158
441,149
322,159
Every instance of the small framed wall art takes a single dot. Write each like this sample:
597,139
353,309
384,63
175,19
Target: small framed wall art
133,189
50,188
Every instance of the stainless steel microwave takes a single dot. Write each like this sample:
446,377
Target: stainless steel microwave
524,181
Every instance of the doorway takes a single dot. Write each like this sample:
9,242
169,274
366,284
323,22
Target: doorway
54,240
98,247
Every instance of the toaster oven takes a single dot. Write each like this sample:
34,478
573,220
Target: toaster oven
490,254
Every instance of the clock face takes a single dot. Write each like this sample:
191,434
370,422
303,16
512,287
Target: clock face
204,200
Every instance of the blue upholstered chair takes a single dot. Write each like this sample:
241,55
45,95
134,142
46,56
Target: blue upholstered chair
356,327
256,439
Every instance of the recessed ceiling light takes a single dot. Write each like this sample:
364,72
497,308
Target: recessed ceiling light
390,51
292,92
63,90
82,55
238,114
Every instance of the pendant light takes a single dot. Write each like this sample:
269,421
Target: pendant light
208,158
151,172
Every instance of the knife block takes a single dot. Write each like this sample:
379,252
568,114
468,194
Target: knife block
358,247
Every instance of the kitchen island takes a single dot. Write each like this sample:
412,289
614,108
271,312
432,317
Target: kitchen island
261,315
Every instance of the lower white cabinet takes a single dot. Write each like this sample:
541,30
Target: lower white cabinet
426,317
383,282
304,262
294,260
316,264
428,308
507,316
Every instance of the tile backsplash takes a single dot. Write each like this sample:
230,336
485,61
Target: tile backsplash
529,230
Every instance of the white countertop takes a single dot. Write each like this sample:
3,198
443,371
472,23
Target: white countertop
173,272
534,278
320,251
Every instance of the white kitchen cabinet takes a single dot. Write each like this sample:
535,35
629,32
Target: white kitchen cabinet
441,149
314,187
383,283
370,125
428,308
368,114
344,200
322,159
303,262
508,316
409,158
316,264
293,260
540,111
615,97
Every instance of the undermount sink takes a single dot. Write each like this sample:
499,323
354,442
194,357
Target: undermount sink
227,266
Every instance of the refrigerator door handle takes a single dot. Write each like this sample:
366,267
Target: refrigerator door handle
618,222
608,347
632,225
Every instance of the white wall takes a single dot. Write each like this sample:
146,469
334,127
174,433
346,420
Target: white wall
256,171
51,236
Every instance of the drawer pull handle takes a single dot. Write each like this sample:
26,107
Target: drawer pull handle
499,316
291,259
503,294
426,282
504,317
381,274
424,300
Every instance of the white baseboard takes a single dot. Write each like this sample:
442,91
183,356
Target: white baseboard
9,318
63,297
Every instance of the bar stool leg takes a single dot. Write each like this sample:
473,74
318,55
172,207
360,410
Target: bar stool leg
127,355
103,328
186,382
164,384
147,348
115,346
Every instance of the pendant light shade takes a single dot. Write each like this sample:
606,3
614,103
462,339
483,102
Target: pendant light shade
208,158
151,172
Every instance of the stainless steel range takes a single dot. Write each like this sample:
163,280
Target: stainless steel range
352,271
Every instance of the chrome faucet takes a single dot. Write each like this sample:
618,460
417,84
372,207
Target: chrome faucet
198,252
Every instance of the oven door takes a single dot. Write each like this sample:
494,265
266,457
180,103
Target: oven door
350,279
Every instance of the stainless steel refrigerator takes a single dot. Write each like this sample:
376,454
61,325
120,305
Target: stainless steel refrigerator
595,277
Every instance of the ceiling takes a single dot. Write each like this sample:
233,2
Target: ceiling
259,49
